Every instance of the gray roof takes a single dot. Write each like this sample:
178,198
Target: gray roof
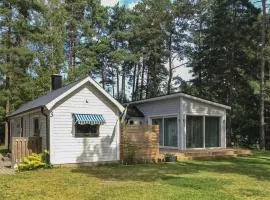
133,111
43,100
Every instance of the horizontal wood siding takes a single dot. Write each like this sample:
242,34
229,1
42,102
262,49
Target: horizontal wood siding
65,147
159,108
195,107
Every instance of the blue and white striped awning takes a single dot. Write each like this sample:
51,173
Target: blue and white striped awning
89,119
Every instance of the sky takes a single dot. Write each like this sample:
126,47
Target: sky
128,3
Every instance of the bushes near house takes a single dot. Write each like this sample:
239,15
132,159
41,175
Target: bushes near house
35,161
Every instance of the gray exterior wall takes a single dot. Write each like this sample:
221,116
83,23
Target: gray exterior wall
180,107
28,126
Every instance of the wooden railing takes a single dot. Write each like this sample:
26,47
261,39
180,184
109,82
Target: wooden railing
23,147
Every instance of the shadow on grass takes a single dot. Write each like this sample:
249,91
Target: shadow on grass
2,149
140,172
257,166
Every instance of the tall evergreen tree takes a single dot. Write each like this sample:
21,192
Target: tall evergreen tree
225,55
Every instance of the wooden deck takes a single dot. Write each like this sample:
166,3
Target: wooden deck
205,154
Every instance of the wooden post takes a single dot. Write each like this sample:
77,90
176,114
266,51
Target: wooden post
6,135
23,147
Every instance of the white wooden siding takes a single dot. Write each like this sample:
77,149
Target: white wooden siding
159,108
65,147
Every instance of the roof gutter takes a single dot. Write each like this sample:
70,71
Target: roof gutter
181,95
47,133
20,113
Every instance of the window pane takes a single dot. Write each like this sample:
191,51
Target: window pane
86,130
36,126
194,128
170,132
159,122
211,131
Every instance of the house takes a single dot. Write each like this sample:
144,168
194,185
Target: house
186,122
78,122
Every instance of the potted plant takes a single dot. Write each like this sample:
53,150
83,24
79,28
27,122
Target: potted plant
169,157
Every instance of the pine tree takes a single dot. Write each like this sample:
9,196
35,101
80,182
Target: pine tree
18,32
224,56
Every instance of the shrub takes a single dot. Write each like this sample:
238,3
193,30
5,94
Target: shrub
35,161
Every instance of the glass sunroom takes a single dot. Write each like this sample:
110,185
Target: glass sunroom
186,122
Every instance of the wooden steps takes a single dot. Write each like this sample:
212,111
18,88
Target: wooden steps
205,154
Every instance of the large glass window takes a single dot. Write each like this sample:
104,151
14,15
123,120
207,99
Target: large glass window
170,132
194,132
212,132
158,121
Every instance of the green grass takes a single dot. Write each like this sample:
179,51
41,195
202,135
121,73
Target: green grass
235,178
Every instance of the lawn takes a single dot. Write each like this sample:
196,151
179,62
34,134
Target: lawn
235,178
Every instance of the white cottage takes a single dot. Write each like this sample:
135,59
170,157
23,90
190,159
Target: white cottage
186,122
78,123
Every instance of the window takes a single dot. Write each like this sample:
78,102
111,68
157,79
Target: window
36,127
168,131
196,129
212,131
22,127
194,135
86,130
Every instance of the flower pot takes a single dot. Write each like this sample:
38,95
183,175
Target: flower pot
170,158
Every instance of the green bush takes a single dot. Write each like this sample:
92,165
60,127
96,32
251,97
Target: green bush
35,161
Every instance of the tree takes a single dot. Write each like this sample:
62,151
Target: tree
225,54
262,66
18,32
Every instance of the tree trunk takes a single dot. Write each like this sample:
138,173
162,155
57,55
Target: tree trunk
142,79
148,83
71,60
200,67
71,34
8,83
262,66
7,110
113,83
137,82
134,82
123,87
170,66
118,86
